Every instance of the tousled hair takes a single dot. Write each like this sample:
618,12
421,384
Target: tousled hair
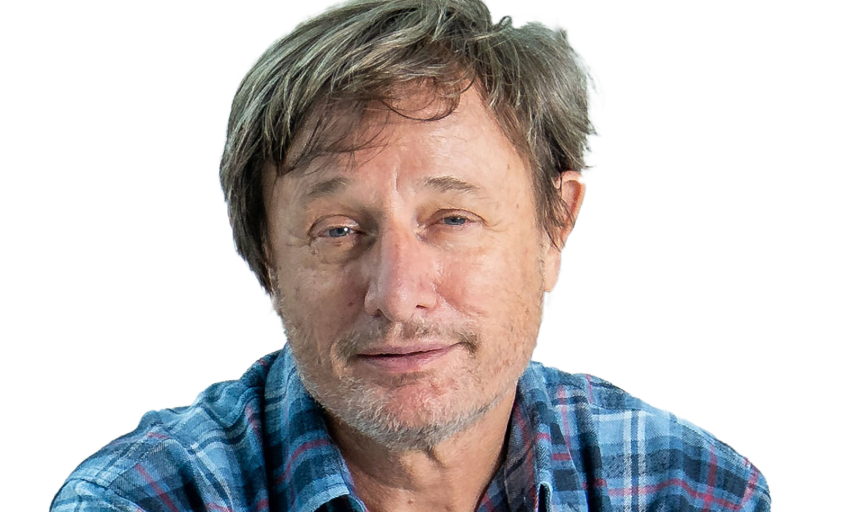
367,52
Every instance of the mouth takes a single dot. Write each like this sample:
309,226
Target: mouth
404,359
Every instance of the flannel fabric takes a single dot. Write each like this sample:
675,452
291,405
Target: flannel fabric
575,443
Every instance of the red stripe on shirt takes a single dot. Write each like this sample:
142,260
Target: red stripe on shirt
158,490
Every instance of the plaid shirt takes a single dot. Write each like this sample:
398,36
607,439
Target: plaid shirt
576,443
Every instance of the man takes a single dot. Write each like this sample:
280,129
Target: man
401,176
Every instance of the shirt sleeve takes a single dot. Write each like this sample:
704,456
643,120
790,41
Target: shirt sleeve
83,496
757,496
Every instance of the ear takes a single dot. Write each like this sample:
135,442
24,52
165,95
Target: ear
572,189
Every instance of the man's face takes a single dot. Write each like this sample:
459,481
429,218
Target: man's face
410,275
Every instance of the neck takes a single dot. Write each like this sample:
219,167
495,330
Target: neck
451,476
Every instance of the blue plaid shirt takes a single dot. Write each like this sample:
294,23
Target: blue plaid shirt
575,443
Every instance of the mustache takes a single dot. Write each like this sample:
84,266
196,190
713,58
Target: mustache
389,333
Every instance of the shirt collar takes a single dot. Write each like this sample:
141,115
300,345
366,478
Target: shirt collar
528,468
305,469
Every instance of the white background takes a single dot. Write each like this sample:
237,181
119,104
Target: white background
713,271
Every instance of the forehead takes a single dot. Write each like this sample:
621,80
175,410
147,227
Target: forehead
338,127
417,132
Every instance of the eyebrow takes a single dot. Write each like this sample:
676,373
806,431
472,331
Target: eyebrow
450,184
327,187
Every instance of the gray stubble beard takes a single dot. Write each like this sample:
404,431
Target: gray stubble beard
365,409
371,416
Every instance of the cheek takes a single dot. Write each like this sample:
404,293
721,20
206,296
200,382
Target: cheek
500,296
502,285
319,301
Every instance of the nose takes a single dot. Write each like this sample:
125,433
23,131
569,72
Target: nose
401,282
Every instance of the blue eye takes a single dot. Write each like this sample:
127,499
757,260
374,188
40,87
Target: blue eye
338,232
454,220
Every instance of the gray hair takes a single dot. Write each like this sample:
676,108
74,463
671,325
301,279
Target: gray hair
366,51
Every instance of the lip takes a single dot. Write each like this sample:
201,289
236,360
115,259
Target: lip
402,359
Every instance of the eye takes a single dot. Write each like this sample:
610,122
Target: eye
336,239
338,232
454,220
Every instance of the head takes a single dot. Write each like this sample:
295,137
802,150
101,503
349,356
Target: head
401,176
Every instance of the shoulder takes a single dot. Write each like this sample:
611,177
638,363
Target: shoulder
176,457
639,453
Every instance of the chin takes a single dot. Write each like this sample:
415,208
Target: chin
411,417
414,426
